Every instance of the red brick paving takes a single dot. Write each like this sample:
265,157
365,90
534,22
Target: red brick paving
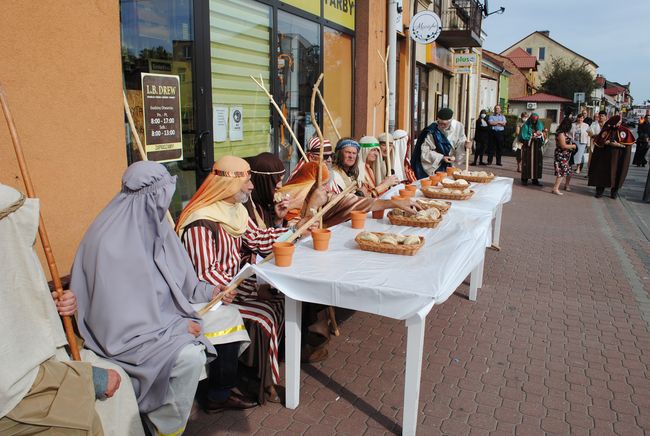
555,344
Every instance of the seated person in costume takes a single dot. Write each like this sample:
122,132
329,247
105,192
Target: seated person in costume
401,164
313,154
214,227
345,170
135,284
387,153
41,390
372,170
439,145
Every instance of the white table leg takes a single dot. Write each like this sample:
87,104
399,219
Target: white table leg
476,280
293,318
496,235
414,347
481,272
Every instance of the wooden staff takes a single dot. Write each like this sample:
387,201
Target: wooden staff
143,155
329,115
232,286
45,240
318,130
260,83
389,164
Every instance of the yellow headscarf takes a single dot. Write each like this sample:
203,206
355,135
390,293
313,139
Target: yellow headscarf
228,176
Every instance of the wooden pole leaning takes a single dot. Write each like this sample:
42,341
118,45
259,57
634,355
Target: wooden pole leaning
45,240
138,143
232,286
260,83
317,127
329,115
389,164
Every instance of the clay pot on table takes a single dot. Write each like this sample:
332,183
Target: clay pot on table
321,239
283,253
358,219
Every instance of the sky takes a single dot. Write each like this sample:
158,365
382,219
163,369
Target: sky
615,34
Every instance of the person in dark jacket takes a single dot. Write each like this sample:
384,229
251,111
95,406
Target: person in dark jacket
481,137
642,143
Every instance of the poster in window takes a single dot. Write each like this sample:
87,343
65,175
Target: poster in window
236,123
220,123
161,103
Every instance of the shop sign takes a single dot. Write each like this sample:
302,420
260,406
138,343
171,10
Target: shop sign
161,103
465,59
311,6
340,12
463,70
425,27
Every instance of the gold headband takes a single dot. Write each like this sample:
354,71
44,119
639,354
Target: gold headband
234,174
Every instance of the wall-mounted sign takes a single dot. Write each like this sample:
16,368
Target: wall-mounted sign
425,27
465,59
463,70
161,103
236,123
578,97
340,12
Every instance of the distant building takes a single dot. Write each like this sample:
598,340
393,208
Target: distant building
545,105
494,83
540,45
522,73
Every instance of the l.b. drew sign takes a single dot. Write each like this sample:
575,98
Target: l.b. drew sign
425,27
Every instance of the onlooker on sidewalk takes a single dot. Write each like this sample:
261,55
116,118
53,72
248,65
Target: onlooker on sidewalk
586,117
594,130
497,122
611,158
580,138
516,144
563,149
532,140
481,137
642,144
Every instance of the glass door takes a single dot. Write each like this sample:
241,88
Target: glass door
158,36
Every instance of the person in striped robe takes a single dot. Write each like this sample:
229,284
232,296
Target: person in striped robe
215,229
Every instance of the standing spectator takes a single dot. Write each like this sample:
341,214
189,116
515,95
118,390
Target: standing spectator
611,158
594,129
563,149
587,119
642,143
532,141
580,139
497,122
481,137
516,143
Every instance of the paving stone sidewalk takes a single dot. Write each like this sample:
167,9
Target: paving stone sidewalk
557,343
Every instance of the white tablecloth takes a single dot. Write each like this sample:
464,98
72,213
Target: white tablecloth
385,284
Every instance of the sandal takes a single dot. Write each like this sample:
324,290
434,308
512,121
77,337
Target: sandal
556,192
272,395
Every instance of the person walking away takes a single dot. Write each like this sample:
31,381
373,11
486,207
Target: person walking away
532,140
580,139
563,149
481,137
516,143
497,123
611,158
642,144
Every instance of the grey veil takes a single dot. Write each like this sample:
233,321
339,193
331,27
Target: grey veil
133,280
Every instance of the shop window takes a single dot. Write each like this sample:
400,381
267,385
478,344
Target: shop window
240,46
337,83
542,53
298,69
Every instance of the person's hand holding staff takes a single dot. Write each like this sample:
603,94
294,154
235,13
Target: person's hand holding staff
233,286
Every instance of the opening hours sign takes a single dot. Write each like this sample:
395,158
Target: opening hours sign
161,103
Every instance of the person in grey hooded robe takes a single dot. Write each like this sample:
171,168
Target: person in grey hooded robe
135,284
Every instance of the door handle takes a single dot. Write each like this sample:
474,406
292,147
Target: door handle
200,152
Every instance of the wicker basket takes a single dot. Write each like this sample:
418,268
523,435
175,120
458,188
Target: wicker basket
453,186
404,250
442,208
401,220
455,195
475,179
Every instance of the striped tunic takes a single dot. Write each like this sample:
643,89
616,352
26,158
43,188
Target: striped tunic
217,257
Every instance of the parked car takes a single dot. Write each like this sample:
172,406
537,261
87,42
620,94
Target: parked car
632,121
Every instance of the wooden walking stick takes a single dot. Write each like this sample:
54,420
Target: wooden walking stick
260,83
317,127
389,164
232,286
329,115
138,143
45,240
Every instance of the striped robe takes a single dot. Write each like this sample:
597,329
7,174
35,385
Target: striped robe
217,256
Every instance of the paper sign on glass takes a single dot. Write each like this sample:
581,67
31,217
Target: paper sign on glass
220,123
236,123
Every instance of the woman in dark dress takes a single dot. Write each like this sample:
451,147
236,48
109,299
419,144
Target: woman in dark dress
562,160
642,143
481,137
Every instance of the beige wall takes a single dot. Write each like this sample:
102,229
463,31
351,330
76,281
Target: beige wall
61,71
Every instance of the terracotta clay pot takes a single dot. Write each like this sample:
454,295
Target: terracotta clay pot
358,219
321,239
411,188
283,252
378,214
425,183
406,193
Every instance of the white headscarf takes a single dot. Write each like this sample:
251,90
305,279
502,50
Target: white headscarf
369,143
29,323
400,144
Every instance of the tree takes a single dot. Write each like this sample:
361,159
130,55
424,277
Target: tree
563,78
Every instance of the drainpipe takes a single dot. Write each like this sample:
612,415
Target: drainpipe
393,16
